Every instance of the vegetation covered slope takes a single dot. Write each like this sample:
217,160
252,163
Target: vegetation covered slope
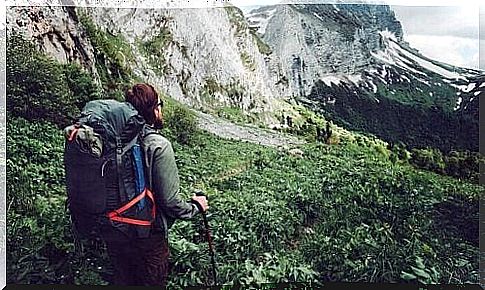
415,125
342,212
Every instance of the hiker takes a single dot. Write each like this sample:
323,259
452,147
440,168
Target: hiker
289,121
145,261
123,184
320,134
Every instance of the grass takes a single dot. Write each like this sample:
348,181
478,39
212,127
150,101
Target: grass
340,213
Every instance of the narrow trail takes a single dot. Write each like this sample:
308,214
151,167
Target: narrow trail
228,130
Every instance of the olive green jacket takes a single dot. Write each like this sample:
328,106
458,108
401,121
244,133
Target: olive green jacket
163,180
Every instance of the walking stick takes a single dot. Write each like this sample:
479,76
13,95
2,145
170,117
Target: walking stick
209,239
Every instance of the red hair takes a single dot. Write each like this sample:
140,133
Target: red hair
145,99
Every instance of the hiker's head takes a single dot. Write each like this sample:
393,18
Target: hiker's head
146,101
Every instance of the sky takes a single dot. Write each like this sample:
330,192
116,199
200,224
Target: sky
445,33
449,34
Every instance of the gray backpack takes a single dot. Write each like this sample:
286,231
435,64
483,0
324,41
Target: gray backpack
105,171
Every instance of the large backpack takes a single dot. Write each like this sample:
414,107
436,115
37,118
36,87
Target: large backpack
105,171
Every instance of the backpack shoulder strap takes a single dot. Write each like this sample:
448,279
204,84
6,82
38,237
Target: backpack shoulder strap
147,131
120,151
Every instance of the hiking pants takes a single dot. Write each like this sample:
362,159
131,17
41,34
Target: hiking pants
140,262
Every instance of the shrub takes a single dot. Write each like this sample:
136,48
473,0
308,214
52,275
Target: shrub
400,151
464,164
40,88
81,85
180,122
36,85
429,158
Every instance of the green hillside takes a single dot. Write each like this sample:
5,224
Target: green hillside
350,211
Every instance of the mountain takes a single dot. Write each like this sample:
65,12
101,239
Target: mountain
351,63
206,58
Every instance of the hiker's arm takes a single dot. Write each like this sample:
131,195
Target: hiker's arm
166,185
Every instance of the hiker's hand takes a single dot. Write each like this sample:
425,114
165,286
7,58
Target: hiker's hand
202,200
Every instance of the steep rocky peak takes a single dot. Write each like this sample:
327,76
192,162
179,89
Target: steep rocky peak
356,16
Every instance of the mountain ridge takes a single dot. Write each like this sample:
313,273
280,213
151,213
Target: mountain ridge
303,49
380,65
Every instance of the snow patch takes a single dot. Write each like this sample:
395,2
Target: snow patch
465,88
430,66
424,82
318,16
458,103
469,87
388,34
482,85
477,93
406,78
459,87
380,55
383,72
328,80
391,56
355,78
374,87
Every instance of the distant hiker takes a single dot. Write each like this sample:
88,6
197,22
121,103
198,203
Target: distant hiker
289,121
328,133
320,134
283,120
123,182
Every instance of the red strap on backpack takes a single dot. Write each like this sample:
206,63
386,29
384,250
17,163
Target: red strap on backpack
73,134
116,214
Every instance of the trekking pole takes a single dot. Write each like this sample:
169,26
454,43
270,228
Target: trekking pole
209,240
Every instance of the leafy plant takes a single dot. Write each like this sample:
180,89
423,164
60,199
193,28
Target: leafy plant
180,122
421,273
36,84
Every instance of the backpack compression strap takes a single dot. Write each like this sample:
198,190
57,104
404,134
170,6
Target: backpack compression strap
116,214
73,134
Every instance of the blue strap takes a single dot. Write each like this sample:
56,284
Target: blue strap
139,173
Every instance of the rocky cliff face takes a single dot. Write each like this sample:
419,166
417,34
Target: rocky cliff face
203,57
327,42
361,45
56,31
215,57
